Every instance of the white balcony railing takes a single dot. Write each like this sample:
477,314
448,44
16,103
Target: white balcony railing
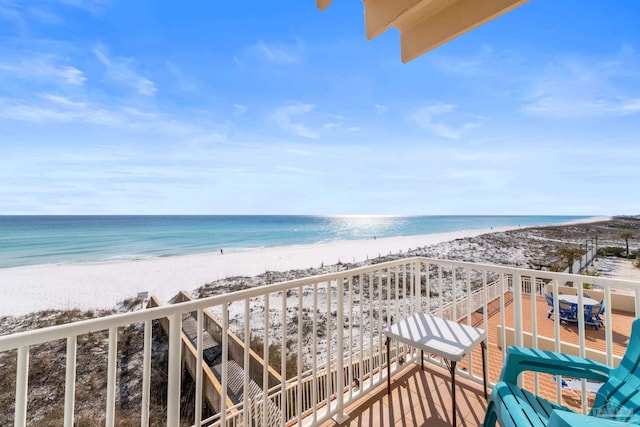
328,327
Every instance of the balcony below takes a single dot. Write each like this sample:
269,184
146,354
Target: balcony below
423,397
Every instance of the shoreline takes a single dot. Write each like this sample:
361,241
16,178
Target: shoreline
103,285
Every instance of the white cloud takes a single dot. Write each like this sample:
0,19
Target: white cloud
240,109
121,70
280,54
381,109
59,109
288,118
62,100
45,67
426,118
91,6
469,65
585,87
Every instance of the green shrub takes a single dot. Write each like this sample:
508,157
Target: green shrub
612,251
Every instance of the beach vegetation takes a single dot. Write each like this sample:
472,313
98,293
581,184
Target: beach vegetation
570,256
616,251
611,251
592,274
626,235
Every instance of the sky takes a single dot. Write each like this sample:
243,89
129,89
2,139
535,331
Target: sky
254,107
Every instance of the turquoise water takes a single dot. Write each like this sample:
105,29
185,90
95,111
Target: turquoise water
30,240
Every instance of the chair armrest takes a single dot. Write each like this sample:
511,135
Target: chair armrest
521,359
571,419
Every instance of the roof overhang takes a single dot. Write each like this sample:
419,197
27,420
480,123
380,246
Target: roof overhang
427,24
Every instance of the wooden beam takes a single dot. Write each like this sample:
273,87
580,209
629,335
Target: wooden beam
323,4
380,15
426,33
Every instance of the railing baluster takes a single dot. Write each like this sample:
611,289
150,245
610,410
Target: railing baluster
329,375
516,288
247,363
225,365
199,351
283,361
469,296
373,328
70,382
175,369
340,415
608,327
415,277
427,274
314,353
361,332
111,377
454,291
265,366
350,361
300,359
398,308
503,324
22,382
440,291
146,374
534,326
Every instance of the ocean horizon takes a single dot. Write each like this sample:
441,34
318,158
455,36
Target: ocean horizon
64,239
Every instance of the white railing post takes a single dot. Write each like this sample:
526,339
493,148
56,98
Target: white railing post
70,382
265,368
314,352
199,350
340,416
454,292
351,352
246,362
111,377
224,383
503,324
516,287
175,369
608,330
22,381
146,375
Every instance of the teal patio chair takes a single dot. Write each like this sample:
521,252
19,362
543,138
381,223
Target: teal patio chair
617,402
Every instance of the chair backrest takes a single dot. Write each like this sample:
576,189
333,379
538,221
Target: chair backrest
549,300
590,310
601,311
619,397
567,306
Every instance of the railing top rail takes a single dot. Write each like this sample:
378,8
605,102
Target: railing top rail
27,338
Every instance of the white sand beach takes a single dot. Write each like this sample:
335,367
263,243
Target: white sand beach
29,289
103,285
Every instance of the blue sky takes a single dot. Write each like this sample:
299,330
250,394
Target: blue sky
208,107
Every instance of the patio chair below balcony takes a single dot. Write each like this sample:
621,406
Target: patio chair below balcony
549,299
568,312
617,402
591,314
600,312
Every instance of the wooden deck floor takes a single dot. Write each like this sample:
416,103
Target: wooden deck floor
423,397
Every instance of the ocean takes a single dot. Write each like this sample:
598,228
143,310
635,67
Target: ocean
31,240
